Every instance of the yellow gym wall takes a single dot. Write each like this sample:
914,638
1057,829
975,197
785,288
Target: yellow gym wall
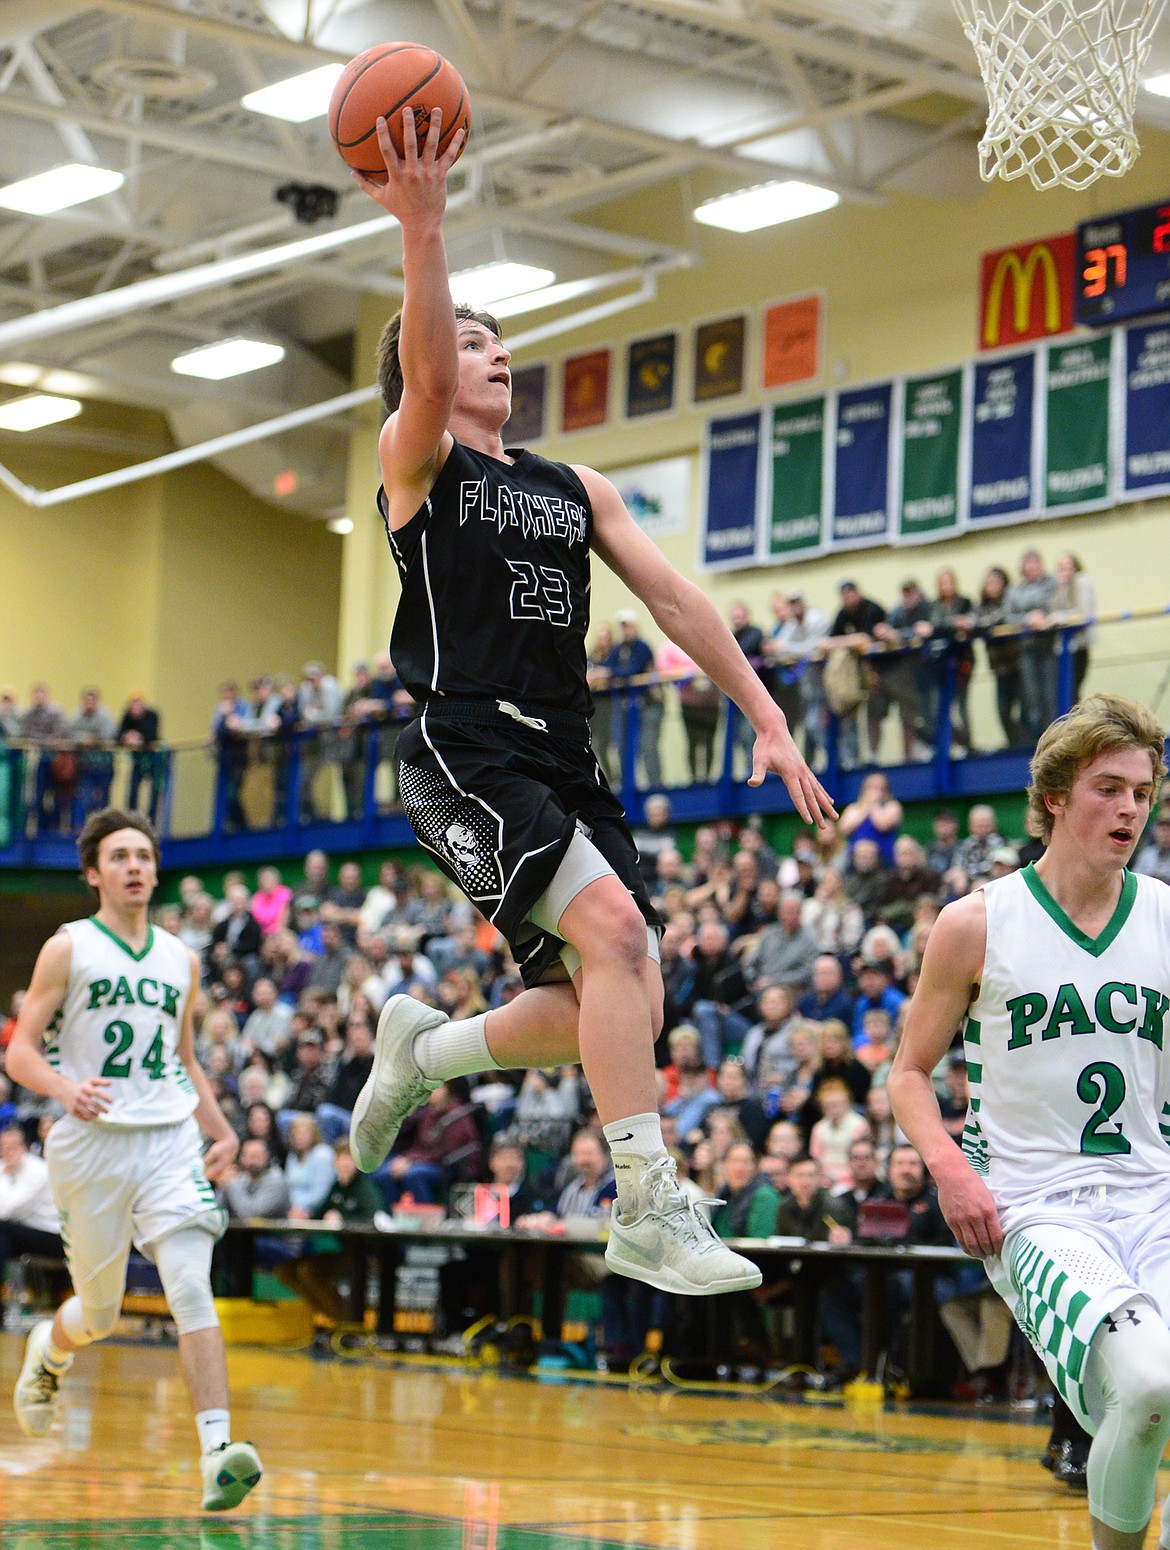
169,585
901,282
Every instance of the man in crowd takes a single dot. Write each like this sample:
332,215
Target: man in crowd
29,1223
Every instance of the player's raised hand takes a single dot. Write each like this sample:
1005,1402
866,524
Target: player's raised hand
416,182
775,750
970,1211
89,1099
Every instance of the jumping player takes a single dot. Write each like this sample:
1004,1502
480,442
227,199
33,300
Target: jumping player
1060,978
497,774
114,999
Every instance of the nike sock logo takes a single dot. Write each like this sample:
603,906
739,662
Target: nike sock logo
614,1139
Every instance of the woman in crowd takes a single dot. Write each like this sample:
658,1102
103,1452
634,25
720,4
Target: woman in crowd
876,815
836,1130
1075,598
308,1169
839,1061
271,901
1003,654
950,619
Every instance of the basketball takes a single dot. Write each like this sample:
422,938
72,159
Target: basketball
379,83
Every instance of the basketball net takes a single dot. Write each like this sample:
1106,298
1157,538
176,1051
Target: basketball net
1062,82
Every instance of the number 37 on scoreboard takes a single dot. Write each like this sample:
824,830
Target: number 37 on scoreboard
1123,265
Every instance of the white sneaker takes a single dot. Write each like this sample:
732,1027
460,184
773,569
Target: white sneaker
229,1473
671,1245
395,1086
35,1397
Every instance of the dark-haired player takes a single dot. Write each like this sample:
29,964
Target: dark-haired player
497,774
114,1000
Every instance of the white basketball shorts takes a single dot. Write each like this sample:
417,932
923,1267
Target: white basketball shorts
114,1186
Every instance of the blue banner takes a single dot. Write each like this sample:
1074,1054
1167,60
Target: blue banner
861,505
731,491
1146,466
1002,479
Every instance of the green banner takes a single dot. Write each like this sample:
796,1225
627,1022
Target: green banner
931,422
798,453
1076,468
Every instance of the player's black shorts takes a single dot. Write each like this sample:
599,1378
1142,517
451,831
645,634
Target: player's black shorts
496,801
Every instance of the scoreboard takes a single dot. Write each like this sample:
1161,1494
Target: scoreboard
1123,265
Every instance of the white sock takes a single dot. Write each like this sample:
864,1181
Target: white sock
214,1428
54,1360
632,1142
454,1049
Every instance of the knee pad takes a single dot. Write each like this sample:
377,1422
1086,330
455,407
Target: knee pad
184,1266
84,1322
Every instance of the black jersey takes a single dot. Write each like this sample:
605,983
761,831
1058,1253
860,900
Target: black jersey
495,583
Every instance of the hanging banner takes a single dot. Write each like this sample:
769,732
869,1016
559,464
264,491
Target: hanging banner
1146,464
792,341
657,495
861,509
526,422
1077,418
1002,477
719,358
798,479
585,391
730,491
650,375
930,448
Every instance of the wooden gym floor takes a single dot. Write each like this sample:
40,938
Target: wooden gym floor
406,1455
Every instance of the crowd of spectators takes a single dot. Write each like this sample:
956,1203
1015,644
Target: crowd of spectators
819,664
786,981
295,750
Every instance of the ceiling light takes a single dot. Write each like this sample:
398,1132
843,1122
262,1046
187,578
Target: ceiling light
1159,84
59,188
37,410
228,358
487,284
750,209
298,99
340,525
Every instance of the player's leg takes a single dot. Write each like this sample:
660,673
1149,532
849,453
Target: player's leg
92,1191
1127,1385
183,1257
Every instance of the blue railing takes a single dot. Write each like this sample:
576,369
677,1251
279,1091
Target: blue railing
253,798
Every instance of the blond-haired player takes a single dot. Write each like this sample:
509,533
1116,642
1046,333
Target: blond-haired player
114,1000
1059,976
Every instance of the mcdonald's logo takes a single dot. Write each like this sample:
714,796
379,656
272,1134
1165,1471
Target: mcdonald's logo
1027,292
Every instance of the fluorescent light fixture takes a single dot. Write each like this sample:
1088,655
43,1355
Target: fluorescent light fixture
1159,84
228,358
487,284
36,410
60,188
71,384
298,99
340,525
768,204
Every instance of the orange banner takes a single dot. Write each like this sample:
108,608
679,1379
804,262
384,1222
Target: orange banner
585,396
792,341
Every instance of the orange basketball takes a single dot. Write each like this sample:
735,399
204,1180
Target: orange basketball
379,83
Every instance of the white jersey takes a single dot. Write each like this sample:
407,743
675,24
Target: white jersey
121,1019
1065,1043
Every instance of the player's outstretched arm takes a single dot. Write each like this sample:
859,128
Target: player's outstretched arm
224,1142
948,982
688,617
415,193
26,1063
